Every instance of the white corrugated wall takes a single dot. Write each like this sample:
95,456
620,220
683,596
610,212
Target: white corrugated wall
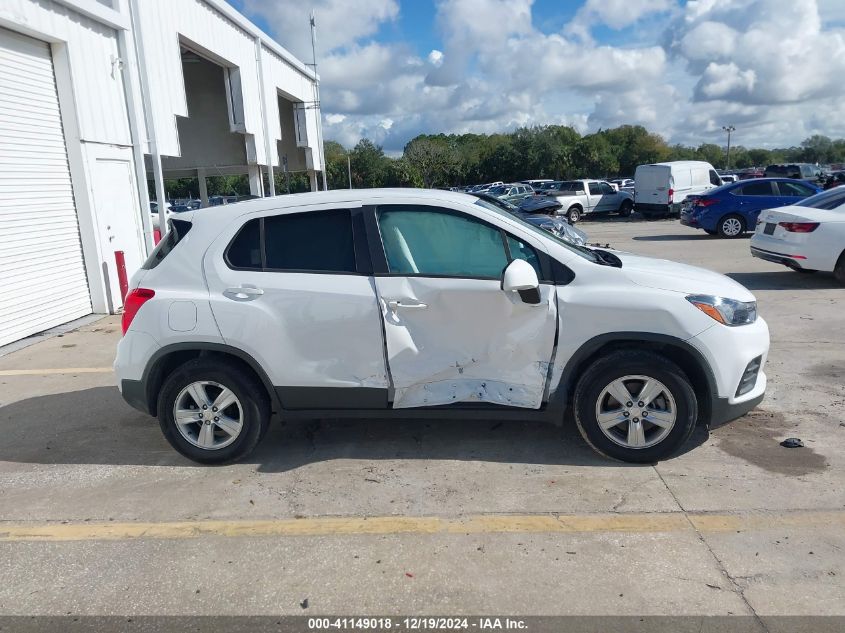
42,274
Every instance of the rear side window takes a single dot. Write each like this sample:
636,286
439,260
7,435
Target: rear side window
757,189
316,241
176,231
319,241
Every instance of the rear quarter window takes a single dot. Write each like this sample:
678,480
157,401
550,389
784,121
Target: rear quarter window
176,231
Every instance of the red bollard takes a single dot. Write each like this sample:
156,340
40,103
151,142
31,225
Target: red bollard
120,261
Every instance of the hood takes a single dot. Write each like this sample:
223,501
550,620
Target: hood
668,275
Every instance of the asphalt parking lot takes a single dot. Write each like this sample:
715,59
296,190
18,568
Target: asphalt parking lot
98,515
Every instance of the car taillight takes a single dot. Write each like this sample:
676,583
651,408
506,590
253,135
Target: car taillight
705,202
133,302
671,195
799,227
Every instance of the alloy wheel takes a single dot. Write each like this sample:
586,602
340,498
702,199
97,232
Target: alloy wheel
208,415
636,411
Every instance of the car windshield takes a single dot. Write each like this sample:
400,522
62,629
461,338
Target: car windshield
497,190
829,200
582,251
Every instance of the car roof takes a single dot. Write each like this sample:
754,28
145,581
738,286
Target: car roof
290,202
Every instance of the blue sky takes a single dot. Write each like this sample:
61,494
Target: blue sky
391,69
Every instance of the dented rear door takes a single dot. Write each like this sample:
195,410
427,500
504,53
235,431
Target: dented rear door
452,334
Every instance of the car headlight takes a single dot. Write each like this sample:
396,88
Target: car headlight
726,311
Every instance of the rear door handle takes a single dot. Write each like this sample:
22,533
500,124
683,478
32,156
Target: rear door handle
395,304
243,293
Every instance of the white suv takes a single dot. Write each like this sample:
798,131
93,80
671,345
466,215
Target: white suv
418,303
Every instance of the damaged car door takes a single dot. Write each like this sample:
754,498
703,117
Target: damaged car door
457,327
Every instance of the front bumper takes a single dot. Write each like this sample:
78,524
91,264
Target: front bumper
728,351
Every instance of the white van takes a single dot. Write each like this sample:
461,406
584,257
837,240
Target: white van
661,188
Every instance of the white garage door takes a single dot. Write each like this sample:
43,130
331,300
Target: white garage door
42,276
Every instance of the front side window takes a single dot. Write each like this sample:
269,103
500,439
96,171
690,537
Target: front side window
521,250
794,189
424,241
714,178
606,188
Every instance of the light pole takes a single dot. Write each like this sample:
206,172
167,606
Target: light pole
349,168
316,88
728,129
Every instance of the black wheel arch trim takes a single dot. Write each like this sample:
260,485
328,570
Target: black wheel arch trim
152,372
561,395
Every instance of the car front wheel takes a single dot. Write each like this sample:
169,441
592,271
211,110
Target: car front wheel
635,406
625,208
212,412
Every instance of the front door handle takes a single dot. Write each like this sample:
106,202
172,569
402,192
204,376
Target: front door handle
243,293
395,304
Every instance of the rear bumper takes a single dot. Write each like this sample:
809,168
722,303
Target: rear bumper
776,258
652,209
135,394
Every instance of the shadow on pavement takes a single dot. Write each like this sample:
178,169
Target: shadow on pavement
785,280
95,426
701,237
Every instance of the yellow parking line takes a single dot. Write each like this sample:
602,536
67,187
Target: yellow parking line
475,524
60,370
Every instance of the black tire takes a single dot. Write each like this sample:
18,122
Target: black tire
573,214
727,226
711,232
250,393
634,363
839,269
626,208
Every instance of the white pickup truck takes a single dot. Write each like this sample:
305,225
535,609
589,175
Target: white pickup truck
578,197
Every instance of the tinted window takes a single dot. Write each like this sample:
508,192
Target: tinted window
595,189
606,188
831,199
757,189
176,230
421,241
317,240
714,178
245,249
794,189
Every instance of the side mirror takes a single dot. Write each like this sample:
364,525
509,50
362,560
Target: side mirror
521,277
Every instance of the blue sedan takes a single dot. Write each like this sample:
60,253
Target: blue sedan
732,209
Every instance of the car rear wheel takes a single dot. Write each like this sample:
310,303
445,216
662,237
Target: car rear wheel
732,226
635,406
573,215
211,412
625,208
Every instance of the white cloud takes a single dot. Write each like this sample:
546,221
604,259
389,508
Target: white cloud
772,68
339,22
435,58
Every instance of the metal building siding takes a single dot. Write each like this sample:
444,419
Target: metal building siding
91,46
42,275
